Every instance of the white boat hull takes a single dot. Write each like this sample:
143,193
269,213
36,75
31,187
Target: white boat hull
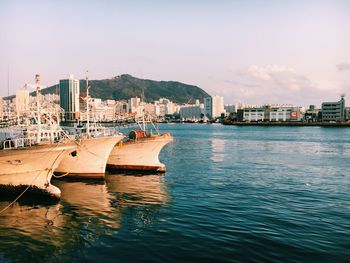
139,155
91,158
32,167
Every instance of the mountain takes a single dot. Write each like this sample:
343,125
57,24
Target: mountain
126,86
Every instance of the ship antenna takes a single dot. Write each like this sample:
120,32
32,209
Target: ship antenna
87,105
143,110
8,93
37,85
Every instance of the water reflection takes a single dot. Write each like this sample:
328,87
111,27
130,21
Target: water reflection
136,190
86,212
218,150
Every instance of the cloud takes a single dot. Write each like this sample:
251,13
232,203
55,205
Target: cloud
280,76
268,72
343,66
274,84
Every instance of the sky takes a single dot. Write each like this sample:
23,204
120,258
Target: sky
254,52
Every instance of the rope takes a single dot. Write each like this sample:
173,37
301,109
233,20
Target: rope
18,197
60,176
54,164
31,184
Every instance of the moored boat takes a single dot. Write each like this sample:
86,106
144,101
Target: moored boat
140,152
90,159
95,145
30,167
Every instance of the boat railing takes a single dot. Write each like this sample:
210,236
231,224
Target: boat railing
5,123
17,143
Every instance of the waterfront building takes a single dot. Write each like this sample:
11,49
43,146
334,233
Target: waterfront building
257,114
347,113
334,111
286,113
214,106
69,98
230,108
191,111
312,114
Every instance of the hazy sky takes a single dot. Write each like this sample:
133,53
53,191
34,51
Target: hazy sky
247,51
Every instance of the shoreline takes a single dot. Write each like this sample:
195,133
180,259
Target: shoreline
290,124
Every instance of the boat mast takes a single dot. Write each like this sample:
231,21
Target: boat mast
143,112
8,94
37,80
87,105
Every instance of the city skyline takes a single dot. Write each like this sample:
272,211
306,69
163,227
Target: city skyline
251,52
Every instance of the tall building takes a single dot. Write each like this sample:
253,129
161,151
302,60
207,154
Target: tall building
22,101
334,111
69,98
134,105
208,107
214,106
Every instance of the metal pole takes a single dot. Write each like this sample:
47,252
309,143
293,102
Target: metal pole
87,105
37,80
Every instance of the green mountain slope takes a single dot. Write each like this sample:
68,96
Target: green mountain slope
126,86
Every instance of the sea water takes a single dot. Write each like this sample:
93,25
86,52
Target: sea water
230,194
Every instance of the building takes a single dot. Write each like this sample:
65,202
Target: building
121,108
163,107
69,98
1,108
334,111
231,108
254,114
191,112
347,113
134,105
22,102
312,114
286,113
149,109
214,106
103,110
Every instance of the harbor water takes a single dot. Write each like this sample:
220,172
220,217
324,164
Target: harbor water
230,194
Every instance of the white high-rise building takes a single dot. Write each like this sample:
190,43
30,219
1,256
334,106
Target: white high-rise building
214,106
134,106
22,101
